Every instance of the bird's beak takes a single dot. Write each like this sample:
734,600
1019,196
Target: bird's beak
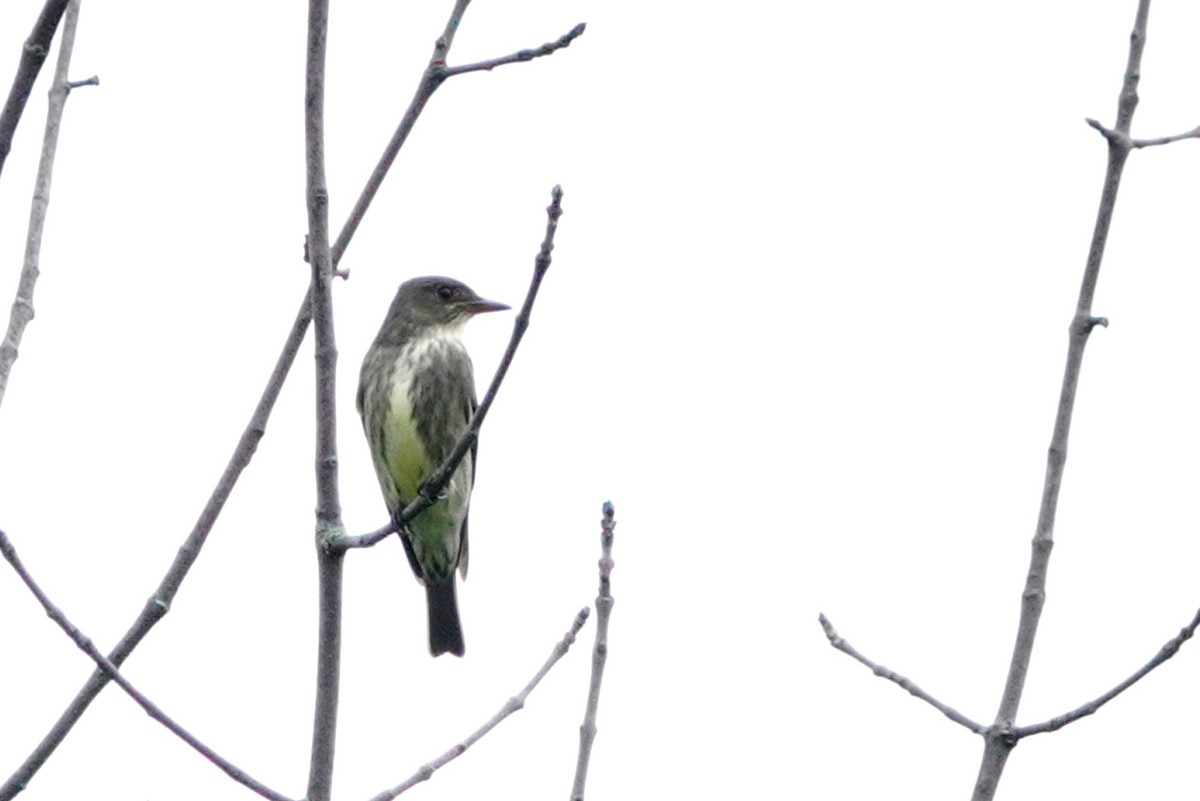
481,305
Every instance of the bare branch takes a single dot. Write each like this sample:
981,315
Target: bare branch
513,704
84,644
999,746
33,55
22,307
519,56
1168,650
437,481
604,605
1166,140
329,510
907,684
159,603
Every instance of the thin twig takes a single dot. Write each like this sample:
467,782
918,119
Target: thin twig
1169,649
329,510
882,672
433,486
519,56
999,740
159,603
22,308
604,605
517,702
33,54
106,665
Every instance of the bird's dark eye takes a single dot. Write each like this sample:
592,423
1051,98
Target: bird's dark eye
445,292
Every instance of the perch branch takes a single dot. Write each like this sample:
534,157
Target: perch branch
517,702
437,481
88,647
604,605
33,55
999,741
1169,649
882,672
22,307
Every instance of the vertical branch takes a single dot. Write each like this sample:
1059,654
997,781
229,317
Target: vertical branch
22,307
604,605
320,777
999,740
33,55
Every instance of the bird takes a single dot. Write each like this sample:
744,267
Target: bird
416,395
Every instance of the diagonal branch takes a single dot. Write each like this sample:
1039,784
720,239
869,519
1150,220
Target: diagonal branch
433,486
106,665
22,307
1169,649
159,603
604,605
519,56
514,704
907,684
33,55
999,742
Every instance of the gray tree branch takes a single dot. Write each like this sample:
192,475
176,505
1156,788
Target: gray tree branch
88,647
329,510
514,704
159,603
904,683
999,741
22,307
1169,649
33,54
604,605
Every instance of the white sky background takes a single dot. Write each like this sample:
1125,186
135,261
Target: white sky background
805,326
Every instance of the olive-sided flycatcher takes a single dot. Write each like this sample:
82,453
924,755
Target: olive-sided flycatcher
416,394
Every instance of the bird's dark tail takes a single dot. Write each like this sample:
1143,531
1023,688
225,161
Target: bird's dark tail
445,630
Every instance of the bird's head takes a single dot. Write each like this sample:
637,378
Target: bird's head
437,301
